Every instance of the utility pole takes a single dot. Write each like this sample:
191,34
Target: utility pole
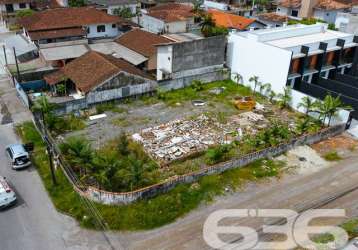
17,66
4,49
49,151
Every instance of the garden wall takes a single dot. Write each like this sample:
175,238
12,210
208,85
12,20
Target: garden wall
147,192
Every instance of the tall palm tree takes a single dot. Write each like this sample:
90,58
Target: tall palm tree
207,24
264,88
255,79
238,78
285,97
308,104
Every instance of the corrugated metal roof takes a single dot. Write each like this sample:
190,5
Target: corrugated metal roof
64,52
22,46
119,51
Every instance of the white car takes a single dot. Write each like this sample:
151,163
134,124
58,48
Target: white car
19,156
7,195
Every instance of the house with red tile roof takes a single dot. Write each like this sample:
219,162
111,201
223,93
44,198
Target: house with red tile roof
168,18
325,10
68,24
99,77
144,43
235,22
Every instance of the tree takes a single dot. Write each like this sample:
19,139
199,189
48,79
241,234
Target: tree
61,89
308,104
271,95
77,3
329,107
285,98
207,25
238,78
264,88
123,144
255,79
124,12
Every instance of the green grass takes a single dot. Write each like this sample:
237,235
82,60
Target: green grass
109,106
332,156
144,214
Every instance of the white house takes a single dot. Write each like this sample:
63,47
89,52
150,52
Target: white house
168,18
69,24
284,55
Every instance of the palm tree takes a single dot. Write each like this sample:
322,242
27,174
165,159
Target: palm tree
285,98
271,95
238,78
255,79
308,104
330,106
207,25
264,88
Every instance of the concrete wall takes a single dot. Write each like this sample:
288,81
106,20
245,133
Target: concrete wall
250,58
147,192
183,82
327,16
152,24
109,31
198,53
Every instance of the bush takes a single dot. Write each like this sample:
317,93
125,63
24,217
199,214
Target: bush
218,153
332,156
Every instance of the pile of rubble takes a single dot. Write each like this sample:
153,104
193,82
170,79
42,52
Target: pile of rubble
179,138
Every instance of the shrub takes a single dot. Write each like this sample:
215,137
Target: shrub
217,154
332,156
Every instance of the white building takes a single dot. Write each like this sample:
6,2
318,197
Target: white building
281,56
168,18
111,5
319,9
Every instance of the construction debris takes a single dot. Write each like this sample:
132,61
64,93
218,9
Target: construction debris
180,138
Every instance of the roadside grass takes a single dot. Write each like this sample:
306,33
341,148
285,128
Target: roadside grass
109,106
350,226
144,214
332,156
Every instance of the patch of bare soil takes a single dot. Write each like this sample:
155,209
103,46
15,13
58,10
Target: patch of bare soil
343,144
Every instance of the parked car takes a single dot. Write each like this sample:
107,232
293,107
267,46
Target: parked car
7,195
19,156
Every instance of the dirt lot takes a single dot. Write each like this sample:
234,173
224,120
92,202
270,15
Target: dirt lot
134,116
344,145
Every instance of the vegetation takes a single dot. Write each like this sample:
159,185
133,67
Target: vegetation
329,107
310,21
61,89
143,214
218,153
255,80
332,156
121,165
124,12
208,27
24,13
308,104
77,3
284,98
109,106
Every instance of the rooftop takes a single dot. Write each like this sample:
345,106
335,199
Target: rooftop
322,4
66,18
14,1
92,69
56,33
112,2
294,35
171,12
274,17
142,41
228,20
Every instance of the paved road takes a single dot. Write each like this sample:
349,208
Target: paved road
292,191
34,223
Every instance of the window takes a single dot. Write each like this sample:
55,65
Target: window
101,28
294,13
327,14
278,9
88,30
114,26
22,5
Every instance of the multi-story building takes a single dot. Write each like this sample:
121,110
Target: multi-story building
112,5
288,55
